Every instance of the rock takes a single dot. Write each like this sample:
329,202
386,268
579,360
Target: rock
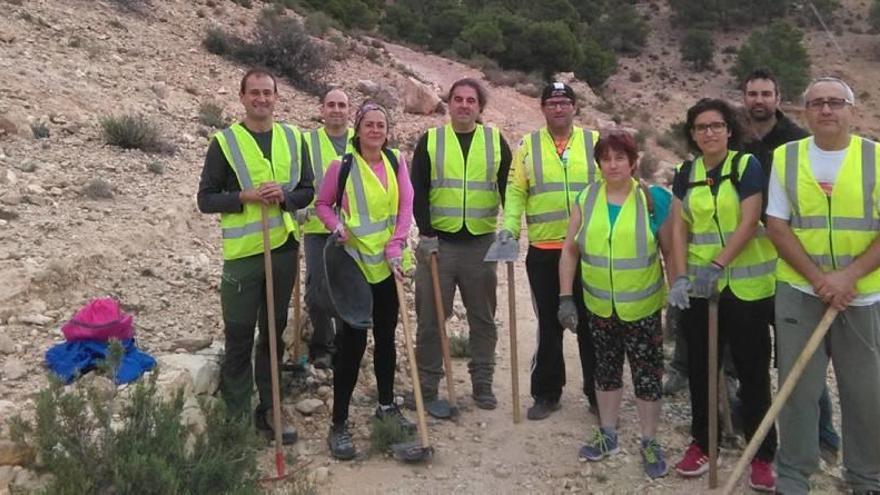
205,372
36,319
13,454
193,344
7,127
160,89
192,416
172,380
11,199
13,370
323,392
7,214
382,94
8,177
308,407
26,167
419,98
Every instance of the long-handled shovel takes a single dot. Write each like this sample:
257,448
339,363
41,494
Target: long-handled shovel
273,350
784,392
713,390
514,370
438,409
419,450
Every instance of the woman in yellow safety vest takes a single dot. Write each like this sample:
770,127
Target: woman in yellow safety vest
614,232
719,245
375,214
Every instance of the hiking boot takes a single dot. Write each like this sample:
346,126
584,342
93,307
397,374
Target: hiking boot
264,421
428,396
340,443
603,444
694,463
483,396
394,413
675,383
761,477
653,461
542,409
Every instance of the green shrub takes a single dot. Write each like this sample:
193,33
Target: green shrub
698,49
219,42
622,30
211,115
145,450
726,14
459,346
98,189
244,3
40,130
484,36
874,16
778,47
597,64
156,167
131,131
318,23
386,432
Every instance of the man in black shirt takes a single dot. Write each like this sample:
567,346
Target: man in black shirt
250,164
459,173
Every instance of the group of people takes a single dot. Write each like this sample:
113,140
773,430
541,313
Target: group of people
775,244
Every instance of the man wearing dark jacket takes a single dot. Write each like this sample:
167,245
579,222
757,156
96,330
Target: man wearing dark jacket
771,128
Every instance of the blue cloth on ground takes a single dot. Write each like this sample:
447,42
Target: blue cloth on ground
69,360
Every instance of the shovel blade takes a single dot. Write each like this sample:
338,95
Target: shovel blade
412,452
501,251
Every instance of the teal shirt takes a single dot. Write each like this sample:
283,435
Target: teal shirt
662,201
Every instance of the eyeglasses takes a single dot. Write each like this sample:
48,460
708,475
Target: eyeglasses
833,103
558,104
713,126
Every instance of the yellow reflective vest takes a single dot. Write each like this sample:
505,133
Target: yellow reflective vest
242,232
464,194
713,219
836,229
322,153
371,217
553,183
620,268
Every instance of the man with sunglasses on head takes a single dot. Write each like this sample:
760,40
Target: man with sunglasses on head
824,218
552,165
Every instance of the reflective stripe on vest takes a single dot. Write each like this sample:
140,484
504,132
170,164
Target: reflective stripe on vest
371,216
631,286
554,183
833,230
712,220
464,193
322,153
242,232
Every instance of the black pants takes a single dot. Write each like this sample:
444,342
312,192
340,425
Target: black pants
351,344
743,326
548,364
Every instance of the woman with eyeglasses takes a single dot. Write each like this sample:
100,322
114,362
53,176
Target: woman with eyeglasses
719,245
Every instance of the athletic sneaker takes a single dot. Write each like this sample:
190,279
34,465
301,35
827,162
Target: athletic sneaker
694,463
393,412
340,443
653,461
761,477
603,444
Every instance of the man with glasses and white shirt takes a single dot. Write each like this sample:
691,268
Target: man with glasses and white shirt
823,217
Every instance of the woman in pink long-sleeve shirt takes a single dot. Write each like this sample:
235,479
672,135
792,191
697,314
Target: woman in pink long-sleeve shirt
370,138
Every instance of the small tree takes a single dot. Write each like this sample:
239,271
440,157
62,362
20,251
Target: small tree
597,63
484,36
874,16
554,48
778,47
622,30
698,49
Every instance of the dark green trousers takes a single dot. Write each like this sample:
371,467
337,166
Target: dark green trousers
243,299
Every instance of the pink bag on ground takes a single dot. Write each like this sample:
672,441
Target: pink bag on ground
101,319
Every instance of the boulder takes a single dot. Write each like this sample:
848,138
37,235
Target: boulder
205,372
382,94
13,369
419,98
7,346
307,407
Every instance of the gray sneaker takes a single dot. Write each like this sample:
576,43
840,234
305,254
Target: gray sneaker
675,383
394,412
340,443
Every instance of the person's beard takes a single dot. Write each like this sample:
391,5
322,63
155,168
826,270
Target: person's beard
764,115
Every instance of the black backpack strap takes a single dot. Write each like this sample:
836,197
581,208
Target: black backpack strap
733,176
345,170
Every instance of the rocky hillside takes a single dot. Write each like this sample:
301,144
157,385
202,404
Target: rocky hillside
80,219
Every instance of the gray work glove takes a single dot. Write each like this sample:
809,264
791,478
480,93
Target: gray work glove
504,236
567,314
678,293
427,246
706,280
301,215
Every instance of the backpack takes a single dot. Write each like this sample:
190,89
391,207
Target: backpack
345,170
